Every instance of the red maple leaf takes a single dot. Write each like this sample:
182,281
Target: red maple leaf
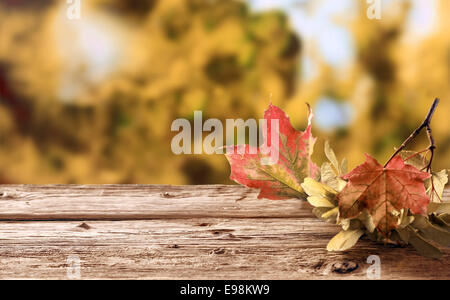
383,191
281,179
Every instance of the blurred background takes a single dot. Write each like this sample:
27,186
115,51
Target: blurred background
91,100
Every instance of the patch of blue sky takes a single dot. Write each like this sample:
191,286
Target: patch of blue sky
421,19
308,69
314,21
331,114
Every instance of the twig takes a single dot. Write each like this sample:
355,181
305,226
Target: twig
425,124
432,147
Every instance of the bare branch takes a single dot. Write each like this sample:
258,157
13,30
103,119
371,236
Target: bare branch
425,124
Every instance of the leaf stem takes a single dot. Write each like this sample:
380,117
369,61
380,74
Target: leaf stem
425,124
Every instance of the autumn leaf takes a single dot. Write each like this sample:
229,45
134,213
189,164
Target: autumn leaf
322,195
423,246
435,184
330,172
384,192
281,179
344,240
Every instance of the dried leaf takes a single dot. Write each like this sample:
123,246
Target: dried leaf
282,179
326,214
439,208
344,240
332,158
384,192
404,234
424,247
367,220
320,202
315,188
439,179
331,213
440,221
330,171
405,218
431,232
414,159
330,178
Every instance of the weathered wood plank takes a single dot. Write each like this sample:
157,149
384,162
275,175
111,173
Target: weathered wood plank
139,202
189,232
206,248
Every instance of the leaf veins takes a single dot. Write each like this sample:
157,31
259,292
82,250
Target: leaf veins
383,191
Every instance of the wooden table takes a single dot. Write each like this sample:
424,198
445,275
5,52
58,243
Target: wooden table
181,232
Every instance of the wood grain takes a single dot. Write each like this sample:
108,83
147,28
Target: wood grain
140,202
166,232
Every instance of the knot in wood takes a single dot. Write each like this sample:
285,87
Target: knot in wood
344,267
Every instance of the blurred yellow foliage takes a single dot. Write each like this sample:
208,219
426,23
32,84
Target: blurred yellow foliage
178,57
92,100
391,87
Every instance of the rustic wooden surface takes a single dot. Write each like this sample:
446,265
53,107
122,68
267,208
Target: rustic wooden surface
182,232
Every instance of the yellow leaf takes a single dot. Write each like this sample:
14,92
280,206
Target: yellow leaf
344,240
440,179
329,177
330,213
332,157
314,188
317,201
